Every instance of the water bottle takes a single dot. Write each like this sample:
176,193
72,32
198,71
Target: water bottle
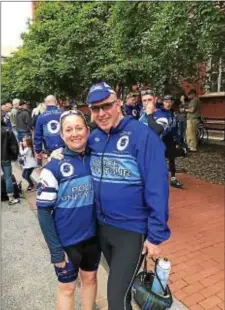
163,270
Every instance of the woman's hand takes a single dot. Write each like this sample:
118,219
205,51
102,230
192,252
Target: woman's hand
57,154
63,263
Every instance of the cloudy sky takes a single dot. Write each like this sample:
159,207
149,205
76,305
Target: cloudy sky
14,16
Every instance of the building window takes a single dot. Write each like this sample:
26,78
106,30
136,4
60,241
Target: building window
216,75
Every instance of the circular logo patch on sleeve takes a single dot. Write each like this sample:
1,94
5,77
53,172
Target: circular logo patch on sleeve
66,169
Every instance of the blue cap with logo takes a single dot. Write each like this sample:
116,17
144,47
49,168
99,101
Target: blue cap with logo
99,92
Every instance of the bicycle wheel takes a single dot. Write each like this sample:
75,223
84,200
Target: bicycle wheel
200,135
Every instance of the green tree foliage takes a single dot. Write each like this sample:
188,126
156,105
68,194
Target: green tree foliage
73,44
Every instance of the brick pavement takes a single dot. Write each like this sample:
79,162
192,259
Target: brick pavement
196,247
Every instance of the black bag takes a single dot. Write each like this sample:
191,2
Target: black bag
181,149
144,297
174,148
17,188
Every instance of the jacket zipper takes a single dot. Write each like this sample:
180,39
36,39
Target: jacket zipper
100,183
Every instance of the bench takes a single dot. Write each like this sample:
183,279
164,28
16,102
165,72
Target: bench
214,124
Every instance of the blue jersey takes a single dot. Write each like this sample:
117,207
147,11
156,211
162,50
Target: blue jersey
66,186
172,127
132,110
159,116
166,119
131,179
47,130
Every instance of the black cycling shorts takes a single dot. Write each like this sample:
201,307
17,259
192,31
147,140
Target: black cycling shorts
84,255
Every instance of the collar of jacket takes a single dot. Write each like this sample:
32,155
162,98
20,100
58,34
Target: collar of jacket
51,107
70,152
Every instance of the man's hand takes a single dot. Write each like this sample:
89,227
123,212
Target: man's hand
151,249
57,154
150,108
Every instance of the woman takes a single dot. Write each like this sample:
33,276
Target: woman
65,201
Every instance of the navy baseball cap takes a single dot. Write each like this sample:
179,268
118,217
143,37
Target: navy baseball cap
168,97
99,92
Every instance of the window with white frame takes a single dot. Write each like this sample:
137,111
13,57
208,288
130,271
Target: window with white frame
216,75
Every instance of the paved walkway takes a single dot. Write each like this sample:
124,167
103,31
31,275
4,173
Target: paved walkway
196,247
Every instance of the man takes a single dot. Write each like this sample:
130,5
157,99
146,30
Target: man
23,121
150,115
164,123
193,115
47,129
12,116
131,188
130,106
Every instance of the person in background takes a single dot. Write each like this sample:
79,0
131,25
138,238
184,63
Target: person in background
164,123
29,161
150,115
193,116
130,106
23,121
159,103
40,109
65,202
64,104
47,129
12,116
171,137
9,153
182,117
6,109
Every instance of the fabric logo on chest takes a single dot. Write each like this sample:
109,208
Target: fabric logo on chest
122,143
66,169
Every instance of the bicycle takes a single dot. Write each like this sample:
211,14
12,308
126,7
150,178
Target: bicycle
202,132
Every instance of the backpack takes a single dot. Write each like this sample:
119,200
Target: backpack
17,188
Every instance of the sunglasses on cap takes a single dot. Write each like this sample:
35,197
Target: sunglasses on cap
147,92
73,112
104,107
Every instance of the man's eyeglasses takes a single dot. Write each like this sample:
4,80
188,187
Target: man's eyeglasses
147,92
73,112
105,107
